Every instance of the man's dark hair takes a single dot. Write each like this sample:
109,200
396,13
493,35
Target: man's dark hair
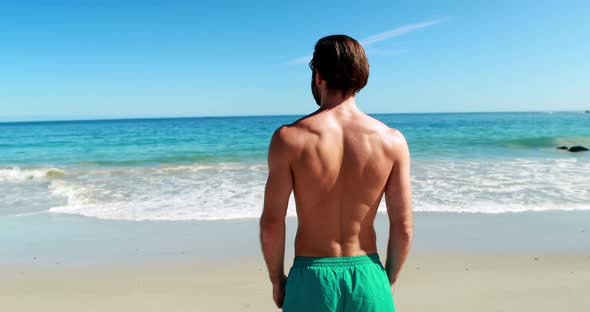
341,62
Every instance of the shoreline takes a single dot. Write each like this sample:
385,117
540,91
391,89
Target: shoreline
76,240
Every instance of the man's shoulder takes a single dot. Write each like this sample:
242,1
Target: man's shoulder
286,137
389,135
393,139
395,136
295,132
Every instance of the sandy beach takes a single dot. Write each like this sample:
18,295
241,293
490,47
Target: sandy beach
216,265
430,282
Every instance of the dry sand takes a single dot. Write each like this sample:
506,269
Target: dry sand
429,282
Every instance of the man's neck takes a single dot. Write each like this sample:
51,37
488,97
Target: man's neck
339,103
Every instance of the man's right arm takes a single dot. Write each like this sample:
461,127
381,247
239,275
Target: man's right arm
398,198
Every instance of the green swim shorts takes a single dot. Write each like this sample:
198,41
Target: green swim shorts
357,283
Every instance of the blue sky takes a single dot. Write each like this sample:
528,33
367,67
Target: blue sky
117,59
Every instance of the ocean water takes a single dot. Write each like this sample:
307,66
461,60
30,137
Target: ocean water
215,168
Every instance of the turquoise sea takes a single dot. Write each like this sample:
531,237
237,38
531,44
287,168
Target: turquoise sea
215,167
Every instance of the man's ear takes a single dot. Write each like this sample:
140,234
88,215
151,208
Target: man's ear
318,79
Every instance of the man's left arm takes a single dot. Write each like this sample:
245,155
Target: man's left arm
272,222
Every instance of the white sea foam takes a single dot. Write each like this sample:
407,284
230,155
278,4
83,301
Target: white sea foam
17,174
236,190
502,186
188,192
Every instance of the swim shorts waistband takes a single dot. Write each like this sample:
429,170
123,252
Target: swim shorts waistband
336,261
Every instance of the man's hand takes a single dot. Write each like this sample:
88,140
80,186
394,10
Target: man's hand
278,291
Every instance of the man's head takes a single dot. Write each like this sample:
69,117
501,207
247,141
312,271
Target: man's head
341,62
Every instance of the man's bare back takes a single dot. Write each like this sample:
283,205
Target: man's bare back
341,160
339,163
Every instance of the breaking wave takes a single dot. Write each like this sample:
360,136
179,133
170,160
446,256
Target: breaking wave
17,174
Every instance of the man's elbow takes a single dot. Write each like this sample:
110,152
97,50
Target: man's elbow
402,231
270,226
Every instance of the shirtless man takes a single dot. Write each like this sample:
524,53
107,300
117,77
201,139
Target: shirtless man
338,162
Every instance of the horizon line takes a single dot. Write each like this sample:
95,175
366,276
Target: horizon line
273,115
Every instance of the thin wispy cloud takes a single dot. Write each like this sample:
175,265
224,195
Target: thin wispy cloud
396,32
385,52
389,34
301,60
